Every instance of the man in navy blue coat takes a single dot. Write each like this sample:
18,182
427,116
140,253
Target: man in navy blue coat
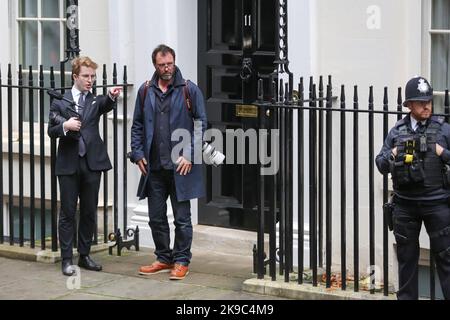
160,111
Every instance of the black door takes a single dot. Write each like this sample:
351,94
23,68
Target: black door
236,48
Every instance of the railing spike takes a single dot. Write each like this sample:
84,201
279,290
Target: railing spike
301,91
281,93
386,96
125,74
274,92
260,90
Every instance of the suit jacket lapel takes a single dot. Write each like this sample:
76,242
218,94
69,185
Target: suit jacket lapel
68,95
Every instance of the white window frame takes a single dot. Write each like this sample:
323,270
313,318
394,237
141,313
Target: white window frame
62,29
427,32
16,38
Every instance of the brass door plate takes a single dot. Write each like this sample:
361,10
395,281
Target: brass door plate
246,111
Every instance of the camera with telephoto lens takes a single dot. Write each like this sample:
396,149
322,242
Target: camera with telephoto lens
212,156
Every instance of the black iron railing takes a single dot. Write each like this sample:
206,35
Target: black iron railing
321,112
25,100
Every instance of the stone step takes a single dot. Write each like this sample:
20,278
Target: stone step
226,241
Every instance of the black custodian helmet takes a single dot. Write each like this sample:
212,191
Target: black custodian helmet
418,89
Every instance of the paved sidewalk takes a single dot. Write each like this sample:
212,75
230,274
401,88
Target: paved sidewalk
212,276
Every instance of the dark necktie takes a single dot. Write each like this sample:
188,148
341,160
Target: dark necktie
421,128
81,144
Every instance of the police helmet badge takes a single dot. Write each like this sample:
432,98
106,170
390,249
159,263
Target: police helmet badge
423,86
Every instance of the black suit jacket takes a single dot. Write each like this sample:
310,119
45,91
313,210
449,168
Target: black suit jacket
96,153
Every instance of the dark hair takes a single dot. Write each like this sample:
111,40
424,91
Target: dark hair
163,49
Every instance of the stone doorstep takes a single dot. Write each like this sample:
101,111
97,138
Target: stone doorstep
38,255
295,291
227,241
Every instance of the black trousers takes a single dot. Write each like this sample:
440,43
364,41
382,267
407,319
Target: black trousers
84,184
408,218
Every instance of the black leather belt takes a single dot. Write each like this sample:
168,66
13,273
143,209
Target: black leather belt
407,202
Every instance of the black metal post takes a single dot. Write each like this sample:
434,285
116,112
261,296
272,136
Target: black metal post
282,235
21,109
356,189
105,173
329,181
320,170
10,159
399,104
371,193
313,183
54,191
32,169
42,135
385,200
125,146
274,198
95,242
72,31
301,184
261,201
343,194
116,161
289,213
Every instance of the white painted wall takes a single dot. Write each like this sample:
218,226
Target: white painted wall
301,57
5,50
4,36
94,30
378,57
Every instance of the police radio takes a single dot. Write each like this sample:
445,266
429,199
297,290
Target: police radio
410,147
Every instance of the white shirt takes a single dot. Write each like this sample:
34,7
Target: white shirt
76,95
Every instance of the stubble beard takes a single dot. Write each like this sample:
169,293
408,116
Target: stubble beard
166,76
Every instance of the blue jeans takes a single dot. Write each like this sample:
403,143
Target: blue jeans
161,186
408,218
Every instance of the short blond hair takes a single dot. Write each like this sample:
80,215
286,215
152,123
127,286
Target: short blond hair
79,62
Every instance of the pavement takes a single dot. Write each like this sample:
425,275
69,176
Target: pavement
213,276
221,269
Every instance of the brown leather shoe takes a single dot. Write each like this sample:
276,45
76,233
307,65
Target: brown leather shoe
154,268
179,272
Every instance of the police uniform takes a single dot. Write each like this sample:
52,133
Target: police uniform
421,190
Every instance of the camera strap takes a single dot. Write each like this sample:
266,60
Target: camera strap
147,85
187,98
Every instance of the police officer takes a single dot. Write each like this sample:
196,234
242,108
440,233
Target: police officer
416,153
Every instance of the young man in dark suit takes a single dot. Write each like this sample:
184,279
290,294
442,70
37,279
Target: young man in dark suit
82,157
